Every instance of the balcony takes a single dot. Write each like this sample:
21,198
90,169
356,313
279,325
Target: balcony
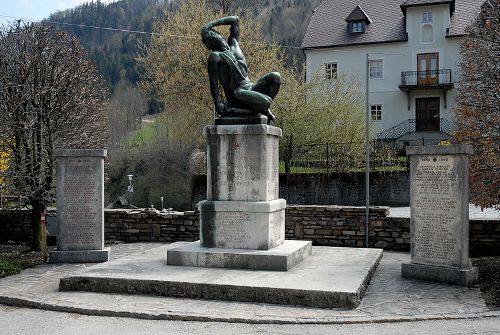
426,79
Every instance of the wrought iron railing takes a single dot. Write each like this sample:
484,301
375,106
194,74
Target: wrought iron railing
405,127
409,126
338,157
426,78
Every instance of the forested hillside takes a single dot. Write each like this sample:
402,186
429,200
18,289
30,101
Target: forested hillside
114,51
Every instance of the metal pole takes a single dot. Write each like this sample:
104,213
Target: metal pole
367,152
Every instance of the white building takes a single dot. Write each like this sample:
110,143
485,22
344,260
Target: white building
413,48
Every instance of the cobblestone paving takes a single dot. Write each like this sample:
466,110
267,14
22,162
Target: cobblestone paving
389,298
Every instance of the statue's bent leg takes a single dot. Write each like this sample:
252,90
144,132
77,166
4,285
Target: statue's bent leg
250,100
268,84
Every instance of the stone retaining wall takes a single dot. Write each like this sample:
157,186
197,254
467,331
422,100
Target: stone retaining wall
345,227
324,225
141,226
346,189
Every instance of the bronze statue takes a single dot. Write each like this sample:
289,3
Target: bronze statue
227,66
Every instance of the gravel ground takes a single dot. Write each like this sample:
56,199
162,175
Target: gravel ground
21,253
489,270
489,279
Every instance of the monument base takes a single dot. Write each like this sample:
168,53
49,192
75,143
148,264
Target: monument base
330,278
282,258
454,276
79,256
253,225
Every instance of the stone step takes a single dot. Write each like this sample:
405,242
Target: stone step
329,278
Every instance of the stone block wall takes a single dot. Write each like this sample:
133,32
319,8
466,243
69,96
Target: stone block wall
15,225
484,237
143,226
346,189
324,225
345,227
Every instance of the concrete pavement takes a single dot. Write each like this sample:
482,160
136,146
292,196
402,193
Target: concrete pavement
14,320
390,298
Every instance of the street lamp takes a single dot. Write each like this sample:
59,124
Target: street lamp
130,189
161,198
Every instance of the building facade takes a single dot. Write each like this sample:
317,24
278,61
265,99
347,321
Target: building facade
413,53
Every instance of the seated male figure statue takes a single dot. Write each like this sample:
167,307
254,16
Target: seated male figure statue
227,66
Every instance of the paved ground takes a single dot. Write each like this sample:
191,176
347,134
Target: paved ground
30,321
389,298
474,212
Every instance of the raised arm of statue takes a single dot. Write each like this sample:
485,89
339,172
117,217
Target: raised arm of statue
212,66
225,21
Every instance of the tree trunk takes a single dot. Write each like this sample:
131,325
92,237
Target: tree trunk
36,229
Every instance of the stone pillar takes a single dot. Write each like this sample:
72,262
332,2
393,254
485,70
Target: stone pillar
439,211
80,207
242,222
243,209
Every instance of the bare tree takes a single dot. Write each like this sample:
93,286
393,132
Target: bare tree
50,96
234,6
478,110
127,106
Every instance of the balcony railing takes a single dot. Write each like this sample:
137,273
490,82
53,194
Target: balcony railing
433,78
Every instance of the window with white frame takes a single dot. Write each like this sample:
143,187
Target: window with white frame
357,27
427,17
330,70
376,68
376,112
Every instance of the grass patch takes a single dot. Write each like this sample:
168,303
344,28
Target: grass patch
145,135
312,169
10,265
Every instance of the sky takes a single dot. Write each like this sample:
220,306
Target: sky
35,9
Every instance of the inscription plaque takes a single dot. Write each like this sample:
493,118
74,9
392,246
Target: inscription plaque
232,226
242,165
80,201
435,209
439,215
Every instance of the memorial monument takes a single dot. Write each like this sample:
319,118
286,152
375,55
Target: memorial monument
80,207
242,222
439,211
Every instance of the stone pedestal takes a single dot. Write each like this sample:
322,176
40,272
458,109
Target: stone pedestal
80,207
243,210
439,211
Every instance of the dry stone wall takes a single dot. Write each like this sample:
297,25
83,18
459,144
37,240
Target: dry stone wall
324,225
341,226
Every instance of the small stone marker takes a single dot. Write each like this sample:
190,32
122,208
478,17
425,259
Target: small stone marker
80,206
439,211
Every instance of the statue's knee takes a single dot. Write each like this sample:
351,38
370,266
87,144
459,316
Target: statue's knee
264,103
275,78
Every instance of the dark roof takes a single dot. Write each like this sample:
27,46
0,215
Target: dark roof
358,14
408,3
413,3
328,27
465,13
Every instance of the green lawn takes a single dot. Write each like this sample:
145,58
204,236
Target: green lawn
145,135
10,266
305,169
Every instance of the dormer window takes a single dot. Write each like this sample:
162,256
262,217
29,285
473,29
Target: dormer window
357,27
357,21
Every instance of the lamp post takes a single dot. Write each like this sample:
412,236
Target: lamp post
130,189
367,152
162,208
